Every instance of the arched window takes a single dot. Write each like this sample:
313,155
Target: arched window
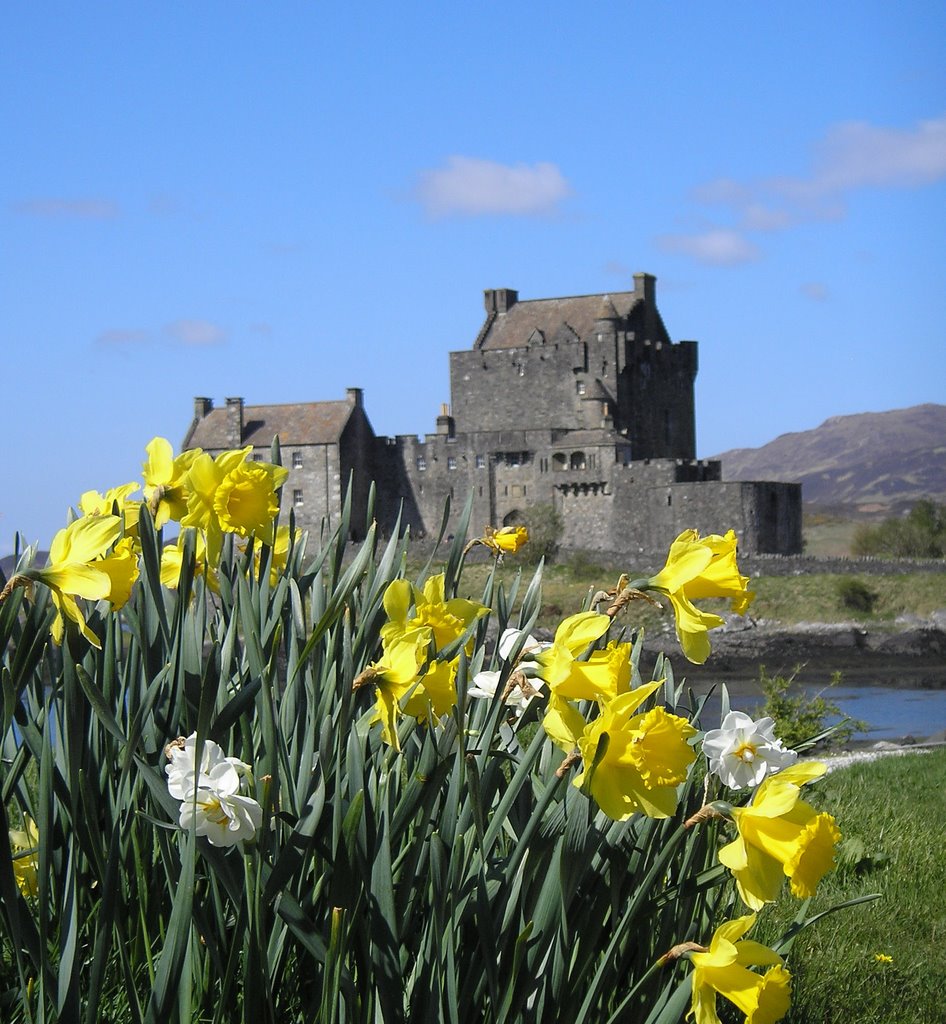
578,460
559,462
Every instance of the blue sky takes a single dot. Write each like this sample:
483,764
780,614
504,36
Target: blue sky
283,200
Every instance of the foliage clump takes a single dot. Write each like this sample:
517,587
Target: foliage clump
801,719
855,595
919,534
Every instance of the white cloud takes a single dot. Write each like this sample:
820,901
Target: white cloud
719,247
852,155
856,154
196,332
815,291
77,209
123,336
471,187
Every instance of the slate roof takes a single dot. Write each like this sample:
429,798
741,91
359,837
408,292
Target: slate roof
298,424
512,328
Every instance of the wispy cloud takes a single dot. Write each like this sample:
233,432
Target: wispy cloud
197,333
470,187
123,336
815,291
852,155
67,209
718,247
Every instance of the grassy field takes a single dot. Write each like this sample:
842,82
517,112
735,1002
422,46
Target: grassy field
891,812
786,599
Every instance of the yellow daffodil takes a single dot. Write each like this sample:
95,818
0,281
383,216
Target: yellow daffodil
781,836
555,663
394,675
229,495
724,969
509,539
121,566
635,762
604,674
172,557
25,845
76,569
444,621
700,567
166,485
93,503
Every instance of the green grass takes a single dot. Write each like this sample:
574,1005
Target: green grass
892,813
785,599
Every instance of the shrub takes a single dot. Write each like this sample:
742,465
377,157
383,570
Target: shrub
856,595
802,720
919,534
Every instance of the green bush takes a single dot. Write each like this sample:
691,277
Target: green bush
855,595
545,525
919,534
801,720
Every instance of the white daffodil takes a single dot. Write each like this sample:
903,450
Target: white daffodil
217,772
529,649
210,795
742,751
485,685
225,819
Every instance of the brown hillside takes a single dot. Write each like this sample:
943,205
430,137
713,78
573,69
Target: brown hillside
871,461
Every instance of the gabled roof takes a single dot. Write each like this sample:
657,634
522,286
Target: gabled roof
513,328
297,424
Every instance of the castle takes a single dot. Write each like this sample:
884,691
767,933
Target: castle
583,402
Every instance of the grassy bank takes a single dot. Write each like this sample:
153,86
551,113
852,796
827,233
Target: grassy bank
786,599
891,812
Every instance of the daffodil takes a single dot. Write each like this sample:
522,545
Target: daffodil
209,792
700,567
604,674
25,846
724,969
742,751
76,569
227,494
94,503
519,692
556,662
172,558
634,762
781,836
394,675
166,486
444,621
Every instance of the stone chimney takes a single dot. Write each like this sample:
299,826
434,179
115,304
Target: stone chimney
235,422
355,396
445,424
500,300
202,407
645,285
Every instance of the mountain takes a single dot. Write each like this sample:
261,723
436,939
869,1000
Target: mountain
871,462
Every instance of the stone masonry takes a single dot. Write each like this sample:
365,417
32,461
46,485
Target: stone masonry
582,402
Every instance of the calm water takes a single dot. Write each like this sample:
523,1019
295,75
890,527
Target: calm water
889,713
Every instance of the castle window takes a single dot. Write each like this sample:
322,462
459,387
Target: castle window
297,460
580,387
257,457
451,462
297,498
421,463
669,499
578,460
481,462
559,462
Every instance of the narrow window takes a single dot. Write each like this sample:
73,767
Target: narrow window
421,463
481,462
451,462
297,460
297,497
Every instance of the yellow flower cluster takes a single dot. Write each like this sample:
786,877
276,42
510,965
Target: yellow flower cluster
409,677
96,556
